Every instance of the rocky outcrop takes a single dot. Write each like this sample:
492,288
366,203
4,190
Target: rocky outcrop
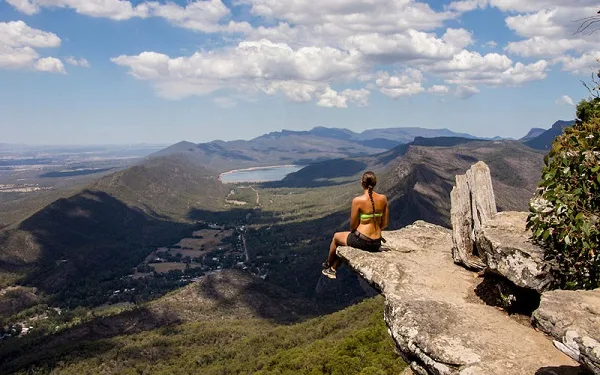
572,318
438,323
472,204
506,249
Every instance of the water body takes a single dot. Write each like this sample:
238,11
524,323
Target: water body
259,174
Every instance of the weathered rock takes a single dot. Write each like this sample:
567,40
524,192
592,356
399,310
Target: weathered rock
573,319
472,204
434,316
505,247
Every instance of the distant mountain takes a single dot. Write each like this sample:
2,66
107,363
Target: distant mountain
277,148
419,181
545,139
418,177
301,147
407,135
533,132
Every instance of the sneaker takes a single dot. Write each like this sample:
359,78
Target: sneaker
329,273
325,264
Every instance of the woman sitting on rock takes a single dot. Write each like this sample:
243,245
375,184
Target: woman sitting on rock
368,217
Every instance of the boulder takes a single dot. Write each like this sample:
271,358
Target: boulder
472,204
572,318
438,323
506,249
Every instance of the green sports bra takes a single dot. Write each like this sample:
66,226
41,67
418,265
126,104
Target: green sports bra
370,216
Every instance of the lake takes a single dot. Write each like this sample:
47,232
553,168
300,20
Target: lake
259,174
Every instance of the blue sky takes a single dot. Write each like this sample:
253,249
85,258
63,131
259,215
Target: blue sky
114,71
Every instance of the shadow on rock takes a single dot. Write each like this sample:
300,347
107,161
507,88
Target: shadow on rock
562,370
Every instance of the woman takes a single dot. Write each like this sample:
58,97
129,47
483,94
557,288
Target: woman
368,217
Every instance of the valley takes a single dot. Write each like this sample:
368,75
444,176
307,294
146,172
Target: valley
155,241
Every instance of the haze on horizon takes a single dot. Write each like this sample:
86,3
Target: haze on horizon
118,72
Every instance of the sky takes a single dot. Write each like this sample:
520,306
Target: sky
122,72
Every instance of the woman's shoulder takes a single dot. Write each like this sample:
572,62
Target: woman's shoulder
381,196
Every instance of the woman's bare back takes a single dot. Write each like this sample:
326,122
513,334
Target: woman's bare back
371,222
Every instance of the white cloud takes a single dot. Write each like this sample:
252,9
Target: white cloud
490,44
438,89
17,48
200,15
412,45
301,75
467,5
406,84
352,16
586,64
24,6
50,64
549,29
471,68
465,92
565,99
333,99
303,50
77,62
18,33
114,9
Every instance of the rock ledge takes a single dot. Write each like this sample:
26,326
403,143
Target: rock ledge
438,323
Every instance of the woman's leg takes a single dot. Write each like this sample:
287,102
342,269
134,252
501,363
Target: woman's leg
339,239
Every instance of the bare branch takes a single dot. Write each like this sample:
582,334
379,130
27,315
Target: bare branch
586,23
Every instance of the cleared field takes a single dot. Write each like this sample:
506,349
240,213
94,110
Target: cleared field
210,238
191,253
166,267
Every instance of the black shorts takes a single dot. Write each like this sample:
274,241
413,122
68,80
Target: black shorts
355,239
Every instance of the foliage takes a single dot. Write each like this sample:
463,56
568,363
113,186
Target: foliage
351,341
565,213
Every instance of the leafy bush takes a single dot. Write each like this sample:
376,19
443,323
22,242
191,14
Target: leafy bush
565,213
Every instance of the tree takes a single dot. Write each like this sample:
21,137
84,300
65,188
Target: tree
565,213
588,24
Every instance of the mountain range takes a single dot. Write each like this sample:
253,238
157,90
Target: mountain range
543,140
300,147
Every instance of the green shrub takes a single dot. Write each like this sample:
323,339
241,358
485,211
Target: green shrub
565,212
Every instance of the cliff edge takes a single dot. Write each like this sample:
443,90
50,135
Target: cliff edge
442,289
439,324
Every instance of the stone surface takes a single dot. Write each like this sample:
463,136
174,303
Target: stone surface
573,319
472,204
505,248
438,323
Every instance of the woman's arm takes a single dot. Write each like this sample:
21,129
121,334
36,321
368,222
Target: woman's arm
354,215
386,216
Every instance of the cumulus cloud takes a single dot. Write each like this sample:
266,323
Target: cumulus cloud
565,99
18,44
301,75
303,51
438,89
467,5
77,62
465,92
114,9
50,64
406,84
471,68
585,64
200,15
549,30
